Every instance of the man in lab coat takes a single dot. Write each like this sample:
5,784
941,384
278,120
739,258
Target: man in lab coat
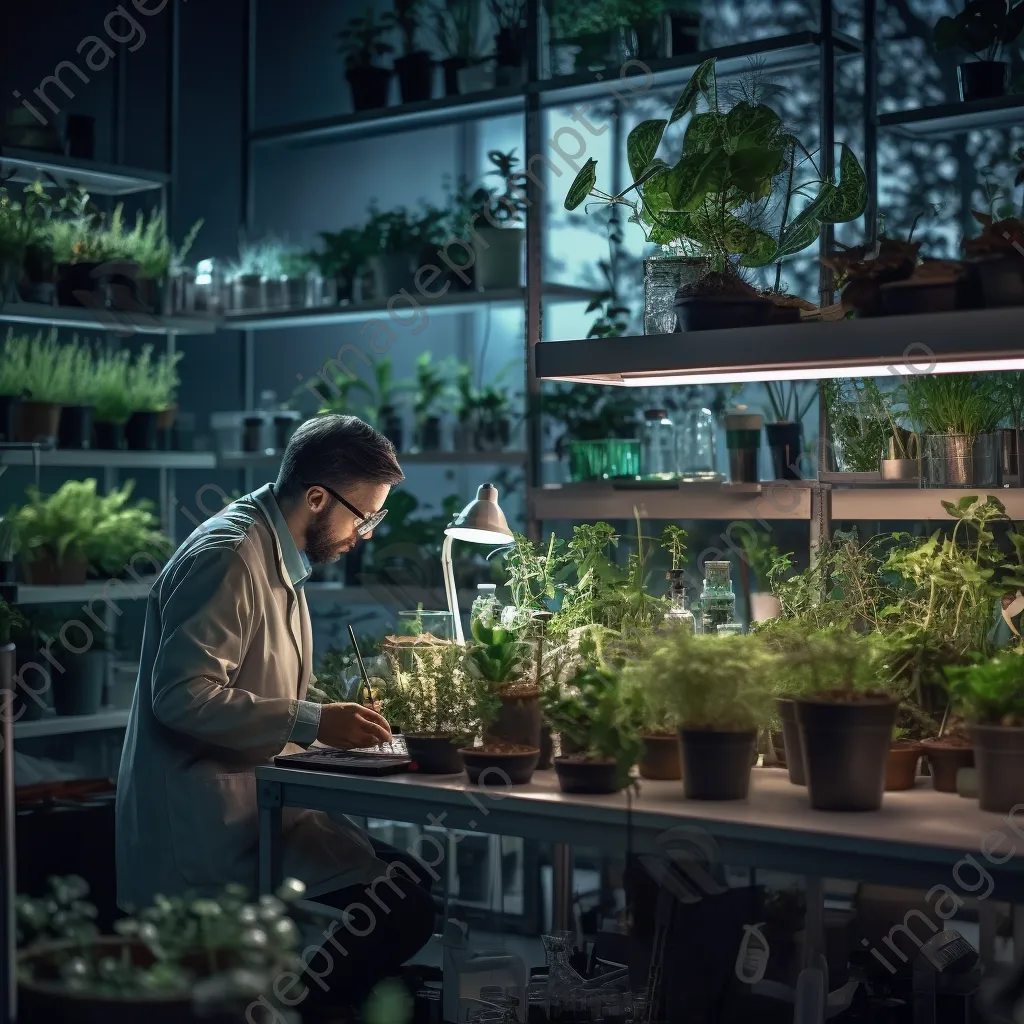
226,661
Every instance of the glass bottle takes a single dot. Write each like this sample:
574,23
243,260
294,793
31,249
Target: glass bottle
698,446
679,614
486,605
717,600
658,457
564,984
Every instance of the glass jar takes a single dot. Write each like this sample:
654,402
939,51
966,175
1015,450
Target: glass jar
658,457
209,287
717,600
698,446
565,986
486,605
664,274
679,614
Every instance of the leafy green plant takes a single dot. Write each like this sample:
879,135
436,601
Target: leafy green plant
673,540
385,392
716,198
982,28
766,562
613,321
833,664
337,679
591,412
951,403
990,691
500,653
361,41
505,205
30,366
405,17
593,711
111,387
434,386
858,420
153,383
147,242
76,523
11,620
343,253
532,572
572,19
396,231
456,27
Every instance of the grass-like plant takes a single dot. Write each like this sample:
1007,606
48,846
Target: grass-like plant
950,403
111,389
153,383
33,367
146,243
991,691
834,665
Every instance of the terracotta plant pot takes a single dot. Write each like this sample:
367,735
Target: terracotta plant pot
901,768
999,752
43,571
494,768
716,765
579,775
945,760
434,755
38,421
660,760
519,721
794,748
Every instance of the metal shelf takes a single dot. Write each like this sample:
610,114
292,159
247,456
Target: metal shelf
451,302
28,165
66,725
389,595
83,459
104,319
94,590
773,499
257,460
953,118
964,341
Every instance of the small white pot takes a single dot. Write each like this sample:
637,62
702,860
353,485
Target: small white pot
499,258
764,606
475,79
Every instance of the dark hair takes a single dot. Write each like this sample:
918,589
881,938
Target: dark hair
338,451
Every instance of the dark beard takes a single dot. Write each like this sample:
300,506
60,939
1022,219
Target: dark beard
319,546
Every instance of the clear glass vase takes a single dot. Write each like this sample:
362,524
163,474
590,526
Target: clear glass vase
697,437
664,274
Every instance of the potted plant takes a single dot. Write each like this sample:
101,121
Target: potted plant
41,370
790,402
981,29
714,201
995,255
581,34
591,712
482,414
362,43
958,415
112,396
382,410
991,694
415,68
341,260
74,388
456,27
499,234
946,753
392,242
641,22
180,961
434,389
846,716
857,423
435,704
509,18
716,688
769,567
152,384
657,727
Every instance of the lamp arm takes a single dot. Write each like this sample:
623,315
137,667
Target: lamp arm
450,591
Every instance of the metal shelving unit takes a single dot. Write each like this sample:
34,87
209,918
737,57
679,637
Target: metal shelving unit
100,179
79,593
67,458
256,460
119,321
67,725
953,118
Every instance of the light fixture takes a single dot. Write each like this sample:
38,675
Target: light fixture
967,341
480,522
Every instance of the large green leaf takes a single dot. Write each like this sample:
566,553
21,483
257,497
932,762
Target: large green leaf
741,238
810,214
797,239
703,131
642,143
679,182
750,125
701,83
751,171
849,198
580,188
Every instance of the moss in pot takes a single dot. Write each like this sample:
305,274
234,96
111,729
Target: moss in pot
436,703
991,695
716,689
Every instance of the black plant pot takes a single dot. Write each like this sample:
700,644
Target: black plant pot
982,79
430,434
39,275
434,755
75,426
1001,281
493,768
999,755
791,741
508,57
369,87
518,722
8,417
846,751
452,66
393,430
80,284
716,765
415,76
579,776
718,312
685,33
141,433
80,136
109,436
785,442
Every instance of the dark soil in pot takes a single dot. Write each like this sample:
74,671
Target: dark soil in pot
415,73
945,760
982,79
109,436
661,760
716,765
791,740
140,432
8,417
520,719
37,421
369,87
495,765
999,755
785,441
452,66
434,755
901,767
578,774
75,426
846,740
42,571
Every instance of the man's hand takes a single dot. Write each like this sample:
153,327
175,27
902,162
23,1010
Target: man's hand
351,725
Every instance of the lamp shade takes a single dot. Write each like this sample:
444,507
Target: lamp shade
481,521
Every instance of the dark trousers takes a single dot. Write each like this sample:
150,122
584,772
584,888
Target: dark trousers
389,920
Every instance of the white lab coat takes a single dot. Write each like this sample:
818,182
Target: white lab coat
226,661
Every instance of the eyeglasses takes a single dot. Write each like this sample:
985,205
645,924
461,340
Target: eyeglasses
364,523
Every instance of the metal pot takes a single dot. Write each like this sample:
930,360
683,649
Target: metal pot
904,470
959,460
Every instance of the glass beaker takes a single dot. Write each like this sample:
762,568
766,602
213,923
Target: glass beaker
697,437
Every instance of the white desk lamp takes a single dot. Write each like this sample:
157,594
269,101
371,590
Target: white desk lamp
480,522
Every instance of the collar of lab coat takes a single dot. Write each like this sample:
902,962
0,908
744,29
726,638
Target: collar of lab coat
295,562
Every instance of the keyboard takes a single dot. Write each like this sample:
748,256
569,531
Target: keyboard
369,761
